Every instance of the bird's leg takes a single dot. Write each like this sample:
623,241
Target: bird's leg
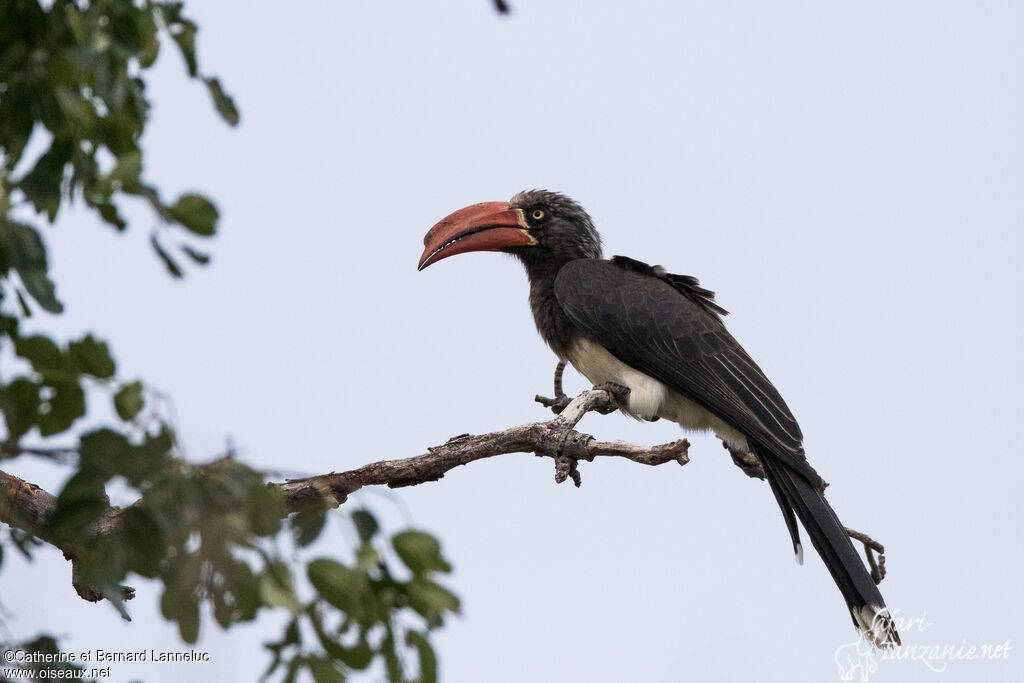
871,546
560,401
746,461
619,397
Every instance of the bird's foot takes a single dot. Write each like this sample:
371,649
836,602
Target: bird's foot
560,401
746,461
871,546
619,397
557,404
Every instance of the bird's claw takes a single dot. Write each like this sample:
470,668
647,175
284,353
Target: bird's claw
871,546
560,401
556,404
619,397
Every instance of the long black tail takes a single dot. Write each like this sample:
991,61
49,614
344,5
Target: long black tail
796,495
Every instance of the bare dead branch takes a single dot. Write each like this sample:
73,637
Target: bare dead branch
28,507
555,438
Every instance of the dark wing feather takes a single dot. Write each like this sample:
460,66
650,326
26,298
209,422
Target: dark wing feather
687,285
646,320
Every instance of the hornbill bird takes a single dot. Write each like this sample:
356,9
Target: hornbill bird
661,336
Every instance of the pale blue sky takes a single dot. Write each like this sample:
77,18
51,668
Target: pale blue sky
847,176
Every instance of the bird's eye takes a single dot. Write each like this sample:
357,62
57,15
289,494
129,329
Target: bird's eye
537,215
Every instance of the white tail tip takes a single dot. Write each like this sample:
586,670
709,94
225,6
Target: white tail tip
877,626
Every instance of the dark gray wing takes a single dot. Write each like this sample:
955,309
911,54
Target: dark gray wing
666,326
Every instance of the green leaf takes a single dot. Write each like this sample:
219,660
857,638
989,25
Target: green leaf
24,244
8,323
105,450
366,525
324,671
244,588
358,656
185,37
128,401
20,403
128,169
172,266
196,255
169,601
92,357
197,213
27,255
307,524
420,552
431,600
66,406
39,285
42,184
109,213
149,40
188,621
42,352
265,505
223,613
225,105
367,557
80,503
143,541
343,587
276,590
428,660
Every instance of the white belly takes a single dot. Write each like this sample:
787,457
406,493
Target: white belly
648,397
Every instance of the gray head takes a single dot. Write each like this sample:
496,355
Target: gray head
563,230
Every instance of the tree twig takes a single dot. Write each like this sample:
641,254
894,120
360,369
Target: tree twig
555,438
62,456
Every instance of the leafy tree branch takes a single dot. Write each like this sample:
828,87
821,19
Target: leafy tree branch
73,109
